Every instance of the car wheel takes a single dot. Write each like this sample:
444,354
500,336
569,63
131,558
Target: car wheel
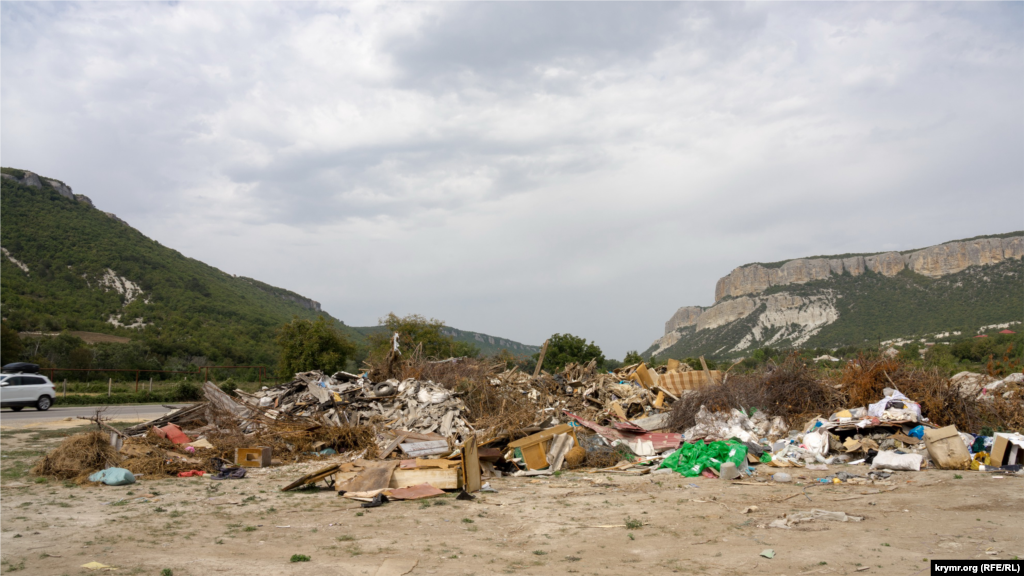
43,403
16,408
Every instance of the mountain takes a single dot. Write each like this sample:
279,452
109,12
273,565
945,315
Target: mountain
488,345
853,299
66,265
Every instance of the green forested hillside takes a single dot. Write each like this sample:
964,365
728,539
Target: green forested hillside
188,313
189,309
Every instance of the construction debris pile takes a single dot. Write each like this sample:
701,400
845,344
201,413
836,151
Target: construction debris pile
350,400
411,436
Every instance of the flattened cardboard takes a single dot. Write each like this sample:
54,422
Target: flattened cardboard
470,465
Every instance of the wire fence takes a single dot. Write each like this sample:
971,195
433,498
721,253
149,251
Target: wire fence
203,373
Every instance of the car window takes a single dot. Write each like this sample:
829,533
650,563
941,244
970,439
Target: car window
14,381
31,380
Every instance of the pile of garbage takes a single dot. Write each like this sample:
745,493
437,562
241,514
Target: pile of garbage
346,399
453,424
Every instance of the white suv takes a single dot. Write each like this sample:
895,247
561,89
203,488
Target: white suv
20,390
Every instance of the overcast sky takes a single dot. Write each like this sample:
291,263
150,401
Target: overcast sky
522,169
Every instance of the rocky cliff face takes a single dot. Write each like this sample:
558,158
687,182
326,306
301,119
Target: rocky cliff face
778,319
306,303
933,262
685,316
753,319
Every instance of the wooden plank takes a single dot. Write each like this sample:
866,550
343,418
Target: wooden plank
470,465
420,449
540,436
646,379
418,435
394,444
436,477
540,359
707,373
323,472
435,463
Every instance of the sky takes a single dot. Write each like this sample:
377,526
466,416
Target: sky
522,169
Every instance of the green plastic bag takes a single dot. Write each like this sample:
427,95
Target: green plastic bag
691,459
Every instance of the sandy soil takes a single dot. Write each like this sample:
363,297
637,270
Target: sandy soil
575,523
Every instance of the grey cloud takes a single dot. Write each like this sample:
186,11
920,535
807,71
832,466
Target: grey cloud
429,147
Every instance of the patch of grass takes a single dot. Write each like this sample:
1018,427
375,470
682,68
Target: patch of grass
359,513
353,549
958,477
633,524
299,558
345,538
439,502
540,552
166,572
250,528
573,558
467,520
176,514
631,537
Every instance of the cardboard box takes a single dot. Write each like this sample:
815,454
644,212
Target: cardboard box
1008,449
257,457
947,450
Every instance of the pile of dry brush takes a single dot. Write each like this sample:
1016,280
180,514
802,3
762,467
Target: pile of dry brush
797,392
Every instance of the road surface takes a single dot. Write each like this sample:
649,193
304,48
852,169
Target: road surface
116,412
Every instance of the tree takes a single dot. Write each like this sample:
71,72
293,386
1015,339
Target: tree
566,348
10,344
632,357
307,345
415,330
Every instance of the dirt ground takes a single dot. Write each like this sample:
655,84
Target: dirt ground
578,522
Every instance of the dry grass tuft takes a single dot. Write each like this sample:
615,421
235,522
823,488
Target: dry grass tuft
78,456
792,390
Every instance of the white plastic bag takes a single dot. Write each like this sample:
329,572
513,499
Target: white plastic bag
893,461
816,443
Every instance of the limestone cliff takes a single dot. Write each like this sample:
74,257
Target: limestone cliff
933,262
744,317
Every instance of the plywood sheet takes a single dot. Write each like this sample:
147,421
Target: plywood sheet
436,477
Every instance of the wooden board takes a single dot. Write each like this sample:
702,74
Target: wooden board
436,477
470,465
321,473
375,476
421,449
394,444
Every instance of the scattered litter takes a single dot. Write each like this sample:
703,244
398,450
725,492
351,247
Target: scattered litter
98,566
792,519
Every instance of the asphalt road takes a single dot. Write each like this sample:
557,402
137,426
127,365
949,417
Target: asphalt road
117,412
